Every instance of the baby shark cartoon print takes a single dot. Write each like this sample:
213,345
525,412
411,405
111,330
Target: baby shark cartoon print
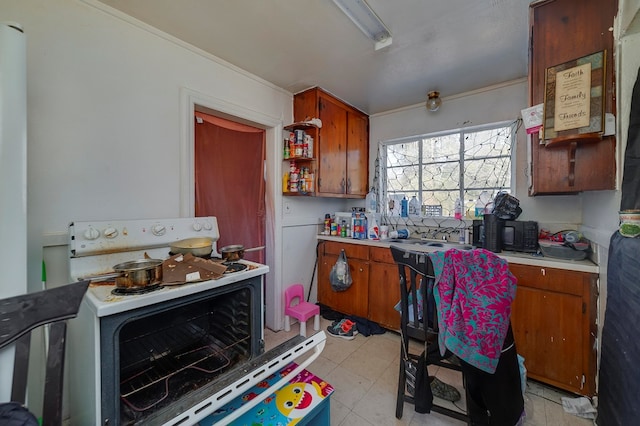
296,400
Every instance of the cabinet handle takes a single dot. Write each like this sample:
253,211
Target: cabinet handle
361,270
349,185
543,271
342,184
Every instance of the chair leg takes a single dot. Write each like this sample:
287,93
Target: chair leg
303,328
316,323
401,387
287,323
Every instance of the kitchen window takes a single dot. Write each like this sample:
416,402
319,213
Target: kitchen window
438,168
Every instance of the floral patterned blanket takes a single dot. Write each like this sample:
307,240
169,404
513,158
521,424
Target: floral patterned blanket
473,293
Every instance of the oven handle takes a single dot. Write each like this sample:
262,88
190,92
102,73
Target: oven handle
317,350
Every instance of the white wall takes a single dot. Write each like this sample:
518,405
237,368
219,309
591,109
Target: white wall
104,117
105,125
492,104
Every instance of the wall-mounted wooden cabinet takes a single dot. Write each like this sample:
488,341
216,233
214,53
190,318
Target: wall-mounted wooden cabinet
554,324
563,31
342,144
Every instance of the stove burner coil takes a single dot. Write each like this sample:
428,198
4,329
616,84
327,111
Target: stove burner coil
234,267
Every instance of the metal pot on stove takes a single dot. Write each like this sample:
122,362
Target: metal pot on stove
201,247
236,252
138,273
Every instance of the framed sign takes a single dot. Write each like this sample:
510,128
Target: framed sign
574,100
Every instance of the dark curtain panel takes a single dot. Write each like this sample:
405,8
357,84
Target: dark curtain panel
631,176
229,180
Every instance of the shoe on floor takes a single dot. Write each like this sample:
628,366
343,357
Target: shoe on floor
444,391
343,328
346,323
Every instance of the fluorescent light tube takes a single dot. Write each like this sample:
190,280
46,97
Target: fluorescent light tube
366,19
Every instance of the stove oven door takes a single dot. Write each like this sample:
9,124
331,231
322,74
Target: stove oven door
176,362
303,351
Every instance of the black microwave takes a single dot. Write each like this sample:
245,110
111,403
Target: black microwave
516,235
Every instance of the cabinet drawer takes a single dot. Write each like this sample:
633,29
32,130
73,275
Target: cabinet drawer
383,255
560,280
353,251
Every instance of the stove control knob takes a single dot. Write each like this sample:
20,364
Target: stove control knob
158,230
197,226
208,226
91,234
110,232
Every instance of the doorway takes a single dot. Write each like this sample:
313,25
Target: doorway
229,159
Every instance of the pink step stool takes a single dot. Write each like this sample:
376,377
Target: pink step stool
302,311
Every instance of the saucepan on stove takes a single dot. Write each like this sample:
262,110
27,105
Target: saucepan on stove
236,252
195,246
134,274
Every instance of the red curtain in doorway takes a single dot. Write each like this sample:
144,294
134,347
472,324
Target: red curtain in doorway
229,180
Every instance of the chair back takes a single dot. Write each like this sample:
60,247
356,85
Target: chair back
416,293
19,315
292,292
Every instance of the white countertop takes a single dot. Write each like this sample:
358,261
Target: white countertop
511,257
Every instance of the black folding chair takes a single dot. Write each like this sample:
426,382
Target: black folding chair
19,315
418,321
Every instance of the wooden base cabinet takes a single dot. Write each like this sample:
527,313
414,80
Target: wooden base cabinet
554,322
355,300
375,289
384,288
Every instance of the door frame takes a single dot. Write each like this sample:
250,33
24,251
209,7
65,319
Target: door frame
190,101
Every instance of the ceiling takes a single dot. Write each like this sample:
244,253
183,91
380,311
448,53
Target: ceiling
452,46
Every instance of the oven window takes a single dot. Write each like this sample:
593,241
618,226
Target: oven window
166,355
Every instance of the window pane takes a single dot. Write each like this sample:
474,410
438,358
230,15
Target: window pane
441,148
402,154
488,173
441,176
444,199
403,179
488,143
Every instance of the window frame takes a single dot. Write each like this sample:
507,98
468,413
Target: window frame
512,125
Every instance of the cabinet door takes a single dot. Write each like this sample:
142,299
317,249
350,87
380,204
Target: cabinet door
553,320
562,31
357,154
548,333
332,179
384,293
354,300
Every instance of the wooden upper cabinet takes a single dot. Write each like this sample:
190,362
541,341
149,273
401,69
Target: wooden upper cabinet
342,146
563,31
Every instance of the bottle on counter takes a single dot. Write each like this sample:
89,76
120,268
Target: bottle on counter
457,210
481,204
371,201
404,207
414,206
373,231
327,224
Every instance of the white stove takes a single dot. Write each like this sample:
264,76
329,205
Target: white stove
96,247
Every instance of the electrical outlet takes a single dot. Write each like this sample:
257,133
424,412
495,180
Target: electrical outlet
287,207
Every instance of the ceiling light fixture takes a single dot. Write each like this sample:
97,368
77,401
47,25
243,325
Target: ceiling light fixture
366,19
433,101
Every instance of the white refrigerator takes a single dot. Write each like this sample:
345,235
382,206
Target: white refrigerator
13,176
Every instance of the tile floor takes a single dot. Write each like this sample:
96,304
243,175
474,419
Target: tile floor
364,374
